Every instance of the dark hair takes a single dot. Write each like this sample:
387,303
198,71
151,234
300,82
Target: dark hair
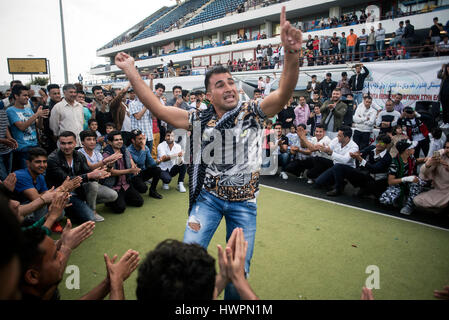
176,271
17,89
314,76
87,133
367,97
10,234
185,93
91,120
176,87
216,70
95,88
437,133
407,21
347,131
135,133
31,254
80,91
278,124
110,124
159,85
257,90
319,126
36,152
112,134
168,131
394,129
385,138
14,82
69,86
302,125
52,86
67,134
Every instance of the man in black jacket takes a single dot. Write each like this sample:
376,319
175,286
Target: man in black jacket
357,81
65,163
327,86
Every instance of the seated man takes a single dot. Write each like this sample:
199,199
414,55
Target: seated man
43,263
168,270
437,170
339,149
141,156
300,155
121,174
279,148
96,192
371,175
403,183
65,163
319,162
170,161
387,119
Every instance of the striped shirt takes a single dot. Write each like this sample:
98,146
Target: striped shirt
145,124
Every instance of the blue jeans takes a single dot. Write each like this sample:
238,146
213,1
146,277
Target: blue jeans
5,165
80,210
358,97
350,49
208,212
362,51
283,159
380,48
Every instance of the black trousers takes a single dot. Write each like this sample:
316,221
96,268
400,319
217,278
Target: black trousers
138,181
130,197
361,139
297,166
319,166
362,179
445,106
424,146
167,175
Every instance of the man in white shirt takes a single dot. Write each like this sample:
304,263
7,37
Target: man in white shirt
364,120
68,115
339,150
268,84
170,160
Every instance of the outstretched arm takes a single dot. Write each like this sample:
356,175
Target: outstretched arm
176,117
291,39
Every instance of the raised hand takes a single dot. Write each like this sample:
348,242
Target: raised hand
57,205
10,182
124,267
291,38
124,61
72,238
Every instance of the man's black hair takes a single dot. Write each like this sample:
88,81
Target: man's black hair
52,86
31,255
347,131
385,138
91,120
36,152
159,85
87,133
15,82
437,133
211,72
319,126
277,124
257,90
112,134
17,89
185,93
95,88
302,125
67,134
110,124
176,271
176,87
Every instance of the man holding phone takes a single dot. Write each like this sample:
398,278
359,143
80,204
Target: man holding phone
333,112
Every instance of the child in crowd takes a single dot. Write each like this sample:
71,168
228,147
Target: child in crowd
93,125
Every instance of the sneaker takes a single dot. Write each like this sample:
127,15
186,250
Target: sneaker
181,187
284,175
165,186
98,218
333,193
56,227
310,181
154,194
302,176
406,210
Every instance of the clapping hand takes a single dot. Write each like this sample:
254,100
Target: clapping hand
10,182
72,238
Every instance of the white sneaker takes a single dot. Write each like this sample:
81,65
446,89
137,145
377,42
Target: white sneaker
98,218
284,175
165,186
406,210
181,187
310,181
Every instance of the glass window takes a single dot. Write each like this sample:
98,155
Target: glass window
197,43
189,44
224,57
214,37
197,62
215,59
277,29
206,40
205,61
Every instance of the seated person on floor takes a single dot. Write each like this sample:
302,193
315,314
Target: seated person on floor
299,153
280,149
403,183
339,150
121,175
141,156
436,169
95,191
374,163
388,118
66,162
170,161
319,162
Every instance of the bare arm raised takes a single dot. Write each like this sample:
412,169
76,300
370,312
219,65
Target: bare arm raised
176,117
291,39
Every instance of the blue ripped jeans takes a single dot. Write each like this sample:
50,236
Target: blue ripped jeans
208,212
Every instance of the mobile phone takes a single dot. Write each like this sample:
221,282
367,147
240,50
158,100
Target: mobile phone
436,154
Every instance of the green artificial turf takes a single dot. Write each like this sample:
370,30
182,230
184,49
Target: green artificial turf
304,248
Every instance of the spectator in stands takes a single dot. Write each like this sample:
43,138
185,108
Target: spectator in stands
371,44
142,120
427,49
141,156
403,183
66,162
312,86
443,96
100,108
409,35
335,41
315,118
268,84
121,174
297,151
357,82
371,176
398,35
416,130
380,40
339,150
22,123
327,86
315,101
96,192
351,42
293,139
302,112
326,45
344,85
391,53
348,118
398,106
364,120
388,118
442,49
333,111
436,169
287,115
343,41
396,135
170,162
309,43
279,148
435,31
316,46
199,104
